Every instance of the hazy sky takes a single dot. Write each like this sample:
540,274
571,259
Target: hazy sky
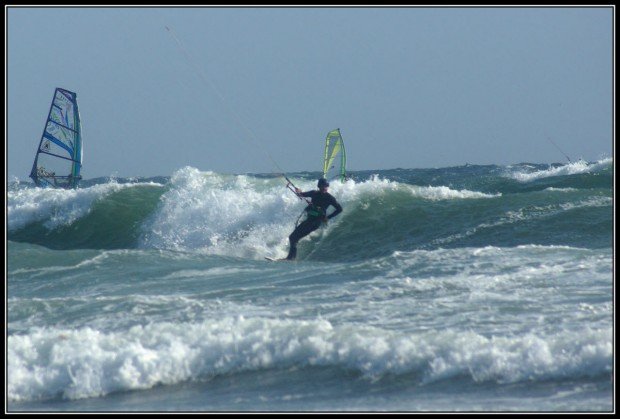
234,90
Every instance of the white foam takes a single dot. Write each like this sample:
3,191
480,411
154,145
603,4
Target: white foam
573,168
437,193
48,363
222,214
456,282
57,207
375,186
480,264
552,189
250,217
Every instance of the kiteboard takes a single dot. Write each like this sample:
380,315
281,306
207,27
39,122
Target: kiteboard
274,259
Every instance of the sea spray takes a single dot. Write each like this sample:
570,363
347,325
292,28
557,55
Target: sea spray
446,289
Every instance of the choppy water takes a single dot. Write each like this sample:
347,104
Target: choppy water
469,288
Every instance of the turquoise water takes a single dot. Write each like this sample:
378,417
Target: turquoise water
472,288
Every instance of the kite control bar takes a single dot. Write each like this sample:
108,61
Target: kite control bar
290,185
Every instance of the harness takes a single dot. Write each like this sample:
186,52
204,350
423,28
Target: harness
314,211
311,211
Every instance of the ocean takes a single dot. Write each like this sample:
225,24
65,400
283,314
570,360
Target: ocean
458,289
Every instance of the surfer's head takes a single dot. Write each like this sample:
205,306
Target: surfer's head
323,183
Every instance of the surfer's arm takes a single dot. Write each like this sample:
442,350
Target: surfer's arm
304,194
337,210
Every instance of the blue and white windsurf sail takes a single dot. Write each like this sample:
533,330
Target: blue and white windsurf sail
58,161
335,159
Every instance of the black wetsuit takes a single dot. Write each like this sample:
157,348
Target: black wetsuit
317,212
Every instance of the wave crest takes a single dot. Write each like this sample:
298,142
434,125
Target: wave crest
73,364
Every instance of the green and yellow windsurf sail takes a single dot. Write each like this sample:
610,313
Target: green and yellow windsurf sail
334,163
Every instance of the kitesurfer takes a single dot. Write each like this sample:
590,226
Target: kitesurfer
316,214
